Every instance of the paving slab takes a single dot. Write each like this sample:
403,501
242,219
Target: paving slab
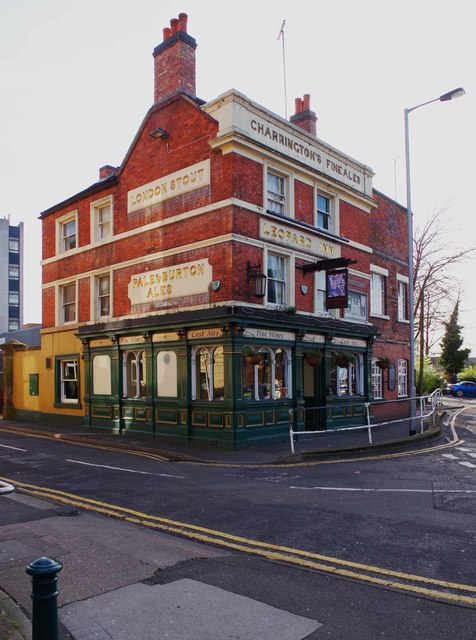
181,610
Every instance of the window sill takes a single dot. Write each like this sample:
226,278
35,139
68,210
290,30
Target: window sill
380,317
67,405
403,320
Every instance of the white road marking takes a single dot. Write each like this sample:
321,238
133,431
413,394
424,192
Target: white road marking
473,455
450,456
5,446
387,490
106,466
468,464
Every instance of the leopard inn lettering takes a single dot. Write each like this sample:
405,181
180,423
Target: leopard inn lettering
282,234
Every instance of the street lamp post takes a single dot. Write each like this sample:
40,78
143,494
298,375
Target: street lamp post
451,95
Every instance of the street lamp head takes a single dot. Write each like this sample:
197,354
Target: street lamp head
451,95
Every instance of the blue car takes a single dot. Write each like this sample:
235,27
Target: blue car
463,388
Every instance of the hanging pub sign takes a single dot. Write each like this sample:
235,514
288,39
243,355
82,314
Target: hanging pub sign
336,288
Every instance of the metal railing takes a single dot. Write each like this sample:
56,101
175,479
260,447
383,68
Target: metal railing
427,411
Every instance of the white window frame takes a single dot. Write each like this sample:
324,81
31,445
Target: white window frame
60,237
287,282
273,395
96,208
287,197
329,214
96,310
377,381
402,299
320,294
60,315
138,371
210,352
378,297
72,363
402,378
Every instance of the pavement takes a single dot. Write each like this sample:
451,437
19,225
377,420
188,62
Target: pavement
118,562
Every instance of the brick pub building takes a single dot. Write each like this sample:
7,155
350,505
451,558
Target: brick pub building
185,292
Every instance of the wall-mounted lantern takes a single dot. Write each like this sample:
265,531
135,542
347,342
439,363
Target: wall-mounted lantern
253,272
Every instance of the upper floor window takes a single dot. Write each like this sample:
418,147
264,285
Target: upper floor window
13,298
323,212
103,295
67,233
14,245
13,271
13,325
276,193
276,279
321,292
101,213
402,300
377,294
67,302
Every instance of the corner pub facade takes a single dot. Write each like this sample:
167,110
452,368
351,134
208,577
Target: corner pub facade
185,291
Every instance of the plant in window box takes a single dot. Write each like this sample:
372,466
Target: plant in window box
343,358
313,357
251,356
384,362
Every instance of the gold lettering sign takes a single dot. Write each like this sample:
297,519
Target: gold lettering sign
195,334
291,237
187,279
174,184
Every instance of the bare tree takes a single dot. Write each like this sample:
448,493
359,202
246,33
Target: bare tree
436,289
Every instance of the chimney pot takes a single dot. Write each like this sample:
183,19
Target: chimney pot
304,117
174,60
182,22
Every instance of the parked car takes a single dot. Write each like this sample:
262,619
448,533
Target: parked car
463,388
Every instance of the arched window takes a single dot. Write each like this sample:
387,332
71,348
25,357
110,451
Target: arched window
346,374
208,373
266,373
134,374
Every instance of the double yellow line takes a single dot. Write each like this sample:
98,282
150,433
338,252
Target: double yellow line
408,583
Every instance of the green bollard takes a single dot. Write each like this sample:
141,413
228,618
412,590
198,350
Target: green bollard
44,595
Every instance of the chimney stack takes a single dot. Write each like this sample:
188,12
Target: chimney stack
304,117
174,60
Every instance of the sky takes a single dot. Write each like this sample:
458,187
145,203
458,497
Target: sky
76,79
